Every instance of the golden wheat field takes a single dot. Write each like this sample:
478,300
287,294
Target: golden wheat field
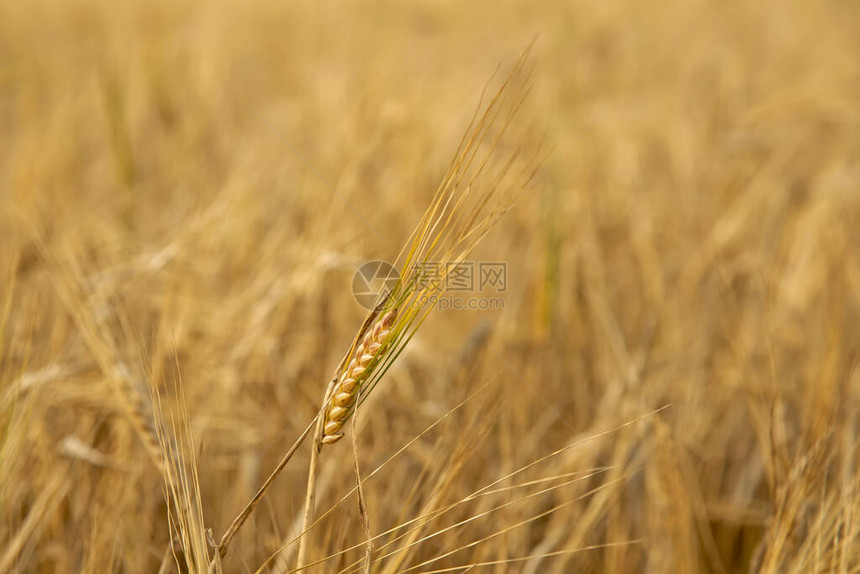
652,224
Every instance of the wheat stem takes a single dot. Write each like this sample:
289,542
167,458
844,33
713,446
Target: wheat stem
249,508
313,472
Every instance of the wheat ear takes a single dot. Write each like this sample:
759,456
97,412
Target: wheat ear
372,346
460,214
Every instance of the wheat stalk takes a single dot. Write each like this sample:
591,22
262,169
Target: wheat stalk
461,213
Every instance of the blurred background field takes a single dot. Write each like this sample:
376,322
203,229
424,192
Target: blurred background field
695,252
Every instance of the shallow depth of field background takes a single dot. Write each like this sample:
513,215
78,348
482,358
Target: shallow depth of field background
695,251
